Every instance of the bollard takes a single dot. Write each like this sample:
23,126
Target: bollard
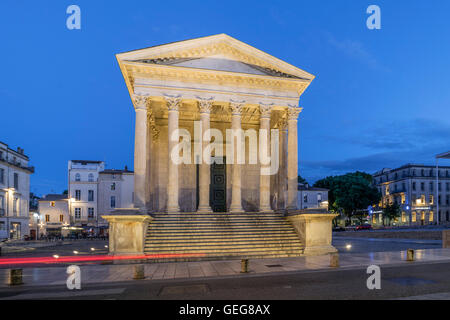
15,277
244,266
334,260
139,272
410,255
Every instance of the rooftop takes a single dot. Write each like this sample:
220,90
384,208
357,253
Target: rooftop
54,197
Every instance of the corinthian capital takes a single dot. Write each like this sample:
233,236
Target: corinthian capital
205,105
140,102
173,103
265,110
236,107
293,112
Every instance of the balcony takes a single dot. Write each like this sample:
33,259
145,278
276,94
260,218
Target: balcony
17,164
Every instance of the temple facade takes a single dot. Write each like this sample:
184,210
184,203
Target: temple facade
181,90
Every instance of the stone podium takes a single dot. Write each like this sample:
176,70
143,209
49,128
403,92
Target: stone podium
314,228
127,231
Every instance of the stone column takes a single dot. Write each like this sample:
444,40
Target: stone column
293,113
173,104
140,152
205,107
236,198
282,124
264,180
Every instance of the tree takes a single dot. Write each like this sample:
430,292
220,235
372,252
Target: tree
302,180
350,192
391,211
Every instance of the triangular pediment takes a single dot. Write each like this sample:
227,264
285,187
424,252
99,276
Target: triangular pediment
220,52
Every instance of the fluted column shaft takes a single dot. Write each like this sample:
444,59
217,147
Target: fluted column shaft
236,197
264,182
172,184
204,172
293,113
140,152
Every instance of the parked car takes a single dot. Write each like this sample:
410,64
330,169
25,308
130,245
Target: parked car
338,229
364,227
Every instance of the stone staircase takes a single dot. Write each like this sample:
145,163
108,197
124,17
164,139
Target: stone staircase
213,236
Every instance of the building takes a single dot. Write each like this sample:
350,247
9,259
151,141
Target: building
83,193
216,138
415,188
311,197
223,84
14,193
116,190
54,218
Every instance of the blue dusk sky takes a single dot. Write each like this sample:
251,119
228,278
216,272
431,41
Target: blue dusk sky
381,98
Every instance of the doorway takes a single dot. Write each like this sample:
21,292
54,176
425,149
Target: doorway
218,187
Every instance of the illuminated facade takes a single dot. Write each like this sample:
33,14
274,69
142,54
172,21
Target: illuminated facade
14,193
413,188
224,84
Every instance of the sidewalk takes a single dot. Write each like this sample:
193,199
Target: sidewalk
90,274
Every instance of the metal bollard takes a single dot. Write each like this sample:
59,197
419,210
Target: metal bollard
244,266
334,260
410,255
139,272
15,277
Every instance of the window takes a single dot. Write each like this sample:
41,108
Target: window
413,217
61,218
447,215
15,201
78,195
431,199
47,218
447,186
414,186
422,199
440,186
91,177
2,226
2,176
447,199
90,213
113,186
431,216
305,198
319,197
113,201
16,181
422,186
78,213
91,195
52,203
431,186
77,177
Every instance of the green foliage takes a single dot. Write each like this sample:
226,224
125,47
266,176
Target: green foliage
391,211
302,180
350,192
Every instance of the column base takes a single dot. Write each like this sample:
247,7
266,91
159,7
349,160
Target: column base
236,209
266,210
175,209
204,209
